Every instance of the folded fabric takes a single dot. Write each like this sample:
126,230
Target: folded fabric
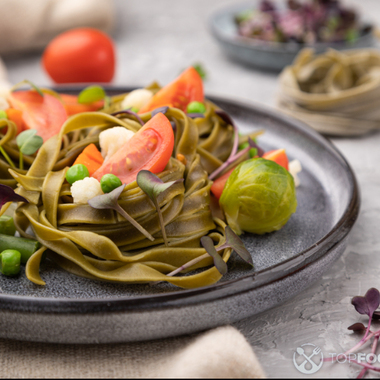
336,93
218,353
28,25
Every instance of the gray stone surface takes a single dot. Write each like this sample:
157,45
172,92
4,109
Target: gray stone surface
155,39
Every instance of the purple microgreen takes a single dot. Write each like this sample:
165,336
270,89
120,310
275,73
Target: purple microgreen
91,94
252,144
209,246
153,186
109,201
129,112
31,84
195,115
174,126
357,327
163,110
7,194
376,315
227,118
367,305
229,161
28,142
233,241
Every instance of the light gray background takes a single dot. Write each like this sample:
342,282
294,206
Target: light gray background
155,40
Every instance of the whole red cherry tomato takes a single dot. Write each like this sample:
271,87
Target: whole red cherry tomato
80,55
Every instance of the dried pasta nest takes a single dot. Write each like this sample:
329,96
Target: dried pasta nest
336,93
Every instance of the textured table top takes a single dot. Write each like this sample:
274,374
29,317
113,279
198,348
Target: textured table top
155,40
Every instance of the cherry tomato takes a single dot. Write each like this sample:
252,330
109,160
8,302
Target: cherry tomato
80,55
279,156
188,87
45,113
149,149
73,107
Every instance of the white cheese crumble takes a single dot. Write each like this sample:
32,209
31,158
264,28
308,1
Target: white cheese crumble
294,168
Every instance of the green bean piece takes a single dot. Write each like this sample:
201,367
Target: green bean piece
196,107
109,182
76,173
7,225
10,260
26,247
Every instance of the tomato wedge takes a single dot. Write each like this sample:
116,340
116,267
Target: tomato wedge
188,87
279,156
218,185
45,113
15,116
72,106
149,149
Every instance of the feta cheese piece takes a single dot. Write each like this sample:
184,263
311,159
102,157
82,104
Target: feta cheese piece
112,139
294,168
137,98
85,189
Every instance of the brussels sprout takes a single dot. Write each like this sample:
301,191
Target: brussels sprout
259,197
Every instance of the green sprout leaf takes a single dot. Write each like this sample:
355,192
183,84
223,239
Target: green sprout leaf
209,246
91,94
31,84
153,186
109,201
29,142
201,70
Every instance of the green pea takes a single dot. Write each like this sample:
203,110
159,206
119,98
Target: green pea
196,107
3,114
252,152
76,173
109,182
7,225
10,260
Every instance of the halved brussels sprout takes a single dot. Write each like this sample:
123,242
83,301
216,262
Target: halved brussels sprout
259,197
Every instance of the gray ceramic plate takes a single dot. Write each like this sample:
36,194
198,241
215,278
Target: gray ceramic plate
265,55
76,310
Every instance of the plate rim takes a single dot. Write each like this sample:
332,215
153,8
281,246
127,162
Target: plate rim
216,291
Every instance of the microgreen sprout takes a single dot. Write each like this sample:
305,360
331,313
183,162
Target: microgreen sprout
365,305
109,201
91,94
7,194
163,110
28,143
129,112
232,241
201,70
153,186
31,84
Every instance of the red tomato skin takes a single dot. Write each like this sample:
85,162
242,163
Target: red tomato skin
188,87
80,55
278,156
73,107
218,185
152,145
45,113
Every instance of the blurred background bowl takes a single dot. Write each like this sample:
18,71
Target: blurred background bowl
271,56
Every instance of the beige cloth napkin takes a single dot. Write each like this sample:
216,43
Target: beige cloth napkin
28,25
336,93
218,353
